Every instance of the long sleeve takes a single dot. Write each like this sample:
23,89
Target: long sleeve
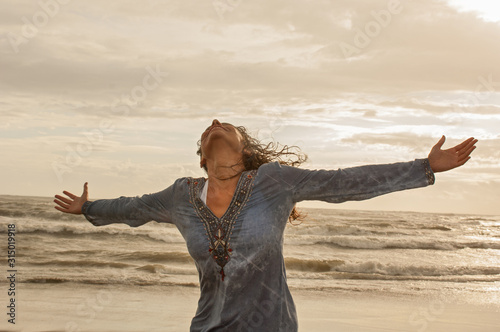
356,183
133,211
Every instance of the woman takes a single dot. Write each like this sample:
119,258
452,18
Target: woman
233,222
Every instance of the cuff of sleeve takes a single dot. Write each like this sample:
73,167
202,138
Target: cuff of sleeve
85,208
428,172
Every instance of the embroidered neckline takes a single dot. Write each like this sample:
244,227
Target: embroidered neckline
219,230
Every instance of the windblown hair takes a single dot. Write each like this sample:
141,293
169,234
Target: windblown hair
256,154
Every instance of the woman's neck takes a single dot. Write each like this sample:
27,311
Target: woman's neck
224,166
225,173
223,176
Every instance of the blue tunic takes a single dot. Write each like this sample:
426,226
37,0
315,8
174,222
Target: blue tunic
239,257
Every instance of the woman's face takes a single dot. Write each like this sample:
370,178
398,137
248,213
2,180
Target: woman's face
224,131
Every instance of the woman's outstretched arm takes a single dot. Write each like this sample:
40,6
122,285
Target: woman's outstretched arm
133,211
364,182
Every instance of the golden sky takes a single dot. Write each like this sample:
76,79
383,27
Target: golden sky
117,93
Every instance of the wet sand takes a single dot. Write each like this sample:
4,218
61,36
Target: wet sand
105,308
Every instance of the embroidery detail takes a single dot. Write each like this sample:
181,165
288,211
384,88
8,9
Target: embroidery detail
428,171
219,230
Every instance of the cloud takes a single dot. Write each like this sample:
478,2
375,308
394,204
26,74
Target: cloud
83,51
410,141
277,67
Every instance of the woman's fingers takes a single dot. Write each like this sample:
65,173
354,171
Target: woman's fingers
465,143
64,199
463,161
466,150
470,142
85,193
62,204
60,209
70,195
440,143
466,153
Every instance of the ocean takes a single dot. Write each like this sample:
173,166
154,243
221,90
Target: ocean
401,253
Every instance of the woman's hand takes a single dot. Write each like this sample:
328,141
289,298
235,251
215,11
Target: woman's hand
444,160
73,204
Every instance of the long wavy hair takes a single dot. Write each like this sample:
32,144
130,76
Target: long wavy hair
257,154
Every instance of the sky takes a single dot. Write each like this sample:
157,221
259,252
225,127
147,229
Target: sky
117,93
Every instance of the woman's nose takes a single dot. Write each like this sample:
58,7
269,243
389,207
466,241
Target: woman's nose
216,122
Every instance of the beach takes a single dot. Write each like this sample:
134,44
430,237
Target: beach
106,308
347,271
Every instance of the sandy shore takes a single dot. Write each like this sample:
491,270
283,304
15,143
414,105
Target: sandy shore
96,308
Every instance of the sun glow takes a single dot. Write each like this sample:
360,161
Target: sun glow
487,9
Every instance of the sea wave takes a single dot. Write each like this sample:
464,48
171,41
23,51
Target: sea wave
379,270
35,208
403,243
357,230
105,281
77,229
312,265
162,269
119,260
386,277
79,263
155,257
38,213
375,267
